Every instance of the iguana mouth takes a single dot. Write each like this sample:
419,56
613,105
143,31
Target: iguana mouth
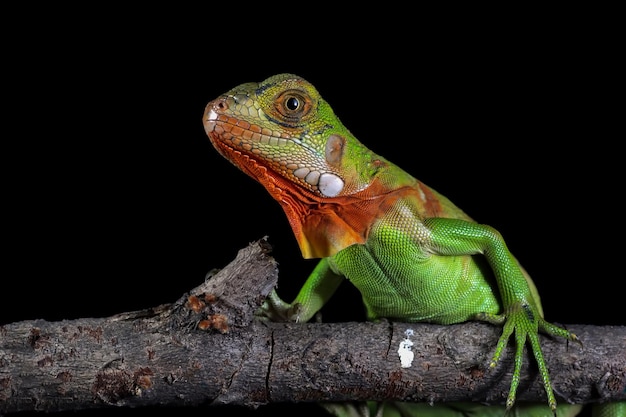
229,128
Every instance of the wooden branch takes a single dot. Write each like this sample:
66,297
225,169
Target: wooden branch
207,348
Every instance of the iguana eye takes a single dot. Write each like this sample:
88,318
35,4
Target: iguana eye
293,105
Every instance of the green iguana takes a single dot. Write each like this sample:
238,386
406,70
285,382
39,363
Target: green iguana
413,255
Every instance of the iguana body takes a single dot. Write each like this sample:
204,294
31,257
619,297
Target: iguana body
413,254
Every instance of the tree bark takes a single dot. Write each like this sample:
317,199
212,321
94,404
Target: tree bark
208,348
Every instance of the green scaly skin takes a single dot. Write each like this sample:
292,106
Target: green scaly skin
413,255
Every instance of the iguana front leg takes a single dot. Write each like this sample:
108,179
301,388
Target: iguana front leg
521,315
316,291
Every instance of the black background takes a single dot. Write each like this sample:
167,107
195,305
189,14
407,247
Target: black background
114,199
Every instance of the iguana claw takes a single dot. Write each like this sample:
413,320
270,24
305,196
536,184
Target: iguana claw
275,309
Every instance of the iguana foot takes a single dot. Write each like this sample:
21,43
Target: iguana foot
526,322
275,309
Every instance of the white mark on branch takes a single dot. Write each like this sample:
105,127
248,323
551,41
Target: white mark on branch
404,351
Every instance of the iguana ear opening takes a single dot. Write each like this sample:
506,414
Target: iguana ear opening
334,149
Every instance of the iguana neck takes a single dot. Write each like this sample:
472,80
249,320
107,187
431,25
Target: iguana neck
324,226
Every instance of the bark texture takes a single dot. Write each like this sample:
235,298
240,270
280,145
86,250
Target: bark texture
208,348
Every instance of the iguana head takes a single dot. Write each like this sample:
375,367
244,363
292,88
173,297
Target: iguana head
283,134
